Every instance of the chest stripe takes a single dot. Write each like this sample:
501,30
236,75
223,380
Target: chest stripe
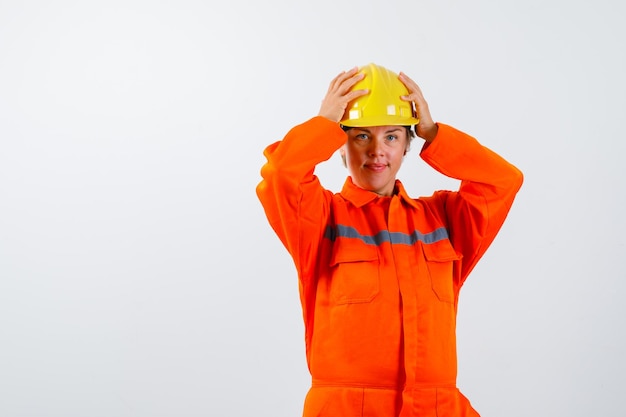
395,238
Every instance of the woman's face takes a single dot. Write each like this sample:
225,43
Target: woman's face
373,156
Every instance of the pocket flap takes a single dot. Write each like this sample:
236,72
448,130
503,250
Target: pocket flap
353,251
441,251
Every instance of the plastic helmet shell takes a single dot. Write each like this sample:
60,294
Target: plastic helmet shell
382,106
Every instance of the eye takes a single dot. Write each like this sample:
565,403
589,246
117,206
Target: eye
361,136
391,138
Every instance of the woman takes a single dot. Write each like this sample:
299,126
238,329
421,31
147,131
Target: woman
380,272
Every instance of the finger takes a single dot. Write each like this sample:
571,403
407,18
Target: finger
333,82
409,83
352,95
348,83
341,77
346,80
406,80
411,98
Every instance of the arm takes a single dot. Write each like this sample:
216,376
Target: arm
489,184
295,203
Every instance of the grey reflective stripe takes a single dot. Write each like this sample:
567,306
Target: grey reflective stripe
398,238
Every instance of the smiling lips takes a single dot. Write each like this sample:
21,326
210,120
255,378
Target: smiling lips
376,167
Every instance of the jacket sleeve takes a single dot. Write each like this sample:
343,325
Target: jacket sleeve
295,203
476,212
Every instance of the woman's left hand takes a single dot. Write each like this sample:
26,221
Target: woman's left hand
426,128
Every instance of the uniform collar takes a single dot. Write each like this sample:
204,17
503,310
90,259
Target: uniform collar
360,197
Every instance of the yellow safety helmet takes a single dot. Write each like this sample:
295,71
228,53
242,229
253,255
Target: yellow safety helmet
382,106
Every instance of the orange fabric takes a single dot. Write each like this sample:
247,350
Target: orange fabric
380,276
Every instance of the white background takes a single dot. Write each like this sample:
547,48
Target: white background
138,274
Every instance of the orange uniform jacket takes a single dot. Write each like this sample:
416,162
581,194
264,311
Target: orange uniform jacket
380,276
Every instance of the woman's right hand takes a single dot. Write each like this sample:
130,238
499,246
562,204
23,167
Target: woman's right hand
340,93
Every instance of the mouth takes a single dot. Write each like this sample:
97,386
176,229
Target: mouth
376,167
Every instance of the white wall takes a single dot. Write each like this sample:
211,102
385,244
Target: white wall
138,275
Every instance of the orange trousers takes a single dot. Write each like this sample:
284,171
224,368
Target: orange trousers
379,402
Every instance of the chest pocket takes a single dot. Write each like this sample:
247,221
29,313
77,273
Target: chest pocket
355,275
440,259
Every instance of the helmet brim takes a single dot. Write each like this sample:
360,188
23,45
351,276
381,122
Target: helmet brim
380,121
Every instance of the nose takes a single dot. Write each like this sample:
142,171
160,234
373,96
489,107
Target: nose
376,147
